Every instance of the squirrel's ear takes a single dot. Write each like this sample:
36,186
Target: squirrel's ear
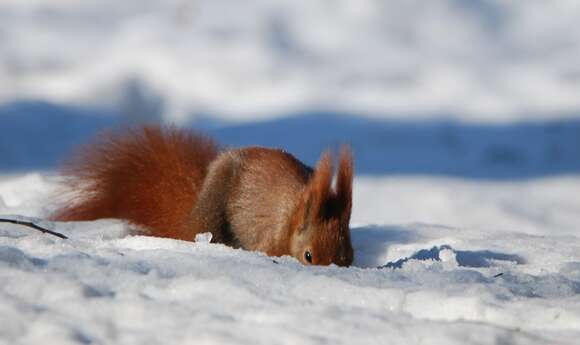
317,191
344,181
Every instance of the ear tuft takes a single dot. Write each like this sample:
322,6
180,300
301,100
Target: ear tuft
344,180
318,189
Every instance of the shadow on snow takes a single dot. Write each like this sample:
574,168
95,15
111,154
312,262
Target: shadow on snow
39,135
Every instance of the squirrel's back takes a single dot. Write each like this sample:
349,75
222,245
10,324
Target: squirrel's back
159,169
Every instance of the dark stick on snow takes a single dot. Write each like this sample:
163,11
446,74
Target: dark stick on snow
34,226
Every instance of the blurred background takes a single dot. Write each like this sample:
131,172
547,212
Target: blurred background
479,89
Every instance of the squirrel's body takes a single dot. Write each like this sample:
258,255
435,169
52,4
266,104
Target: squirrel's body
172,183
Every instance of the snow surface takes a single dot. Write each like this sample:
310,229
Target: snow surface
507,272
463,118
473,60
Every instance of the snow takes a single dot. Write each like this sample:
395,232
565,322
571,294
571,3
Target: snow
463,119
491,283
475,61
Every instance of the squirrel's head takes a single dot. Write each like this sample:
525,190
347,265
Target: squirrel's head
320,223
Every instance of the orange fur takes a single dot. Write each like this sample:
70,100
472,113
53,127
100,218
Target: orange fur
328,211
149,176
344,178
172,183
318,189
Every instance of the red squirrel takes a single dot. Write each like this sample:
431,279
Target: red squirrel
173,183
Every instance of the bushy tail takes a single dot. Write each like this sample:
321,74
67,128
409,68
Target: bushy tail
148,175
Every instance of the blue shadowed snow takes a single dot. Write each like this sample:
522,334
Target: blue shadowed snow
493,151
39,135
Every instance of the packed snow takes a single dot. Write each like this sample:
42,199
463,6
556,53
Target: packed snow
464,121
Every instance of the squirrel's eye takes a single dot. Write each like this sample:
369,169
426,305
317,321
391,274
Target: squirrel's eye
308,256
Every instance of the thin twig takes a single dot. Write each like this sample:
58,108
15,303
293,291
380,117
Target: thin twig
34,226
